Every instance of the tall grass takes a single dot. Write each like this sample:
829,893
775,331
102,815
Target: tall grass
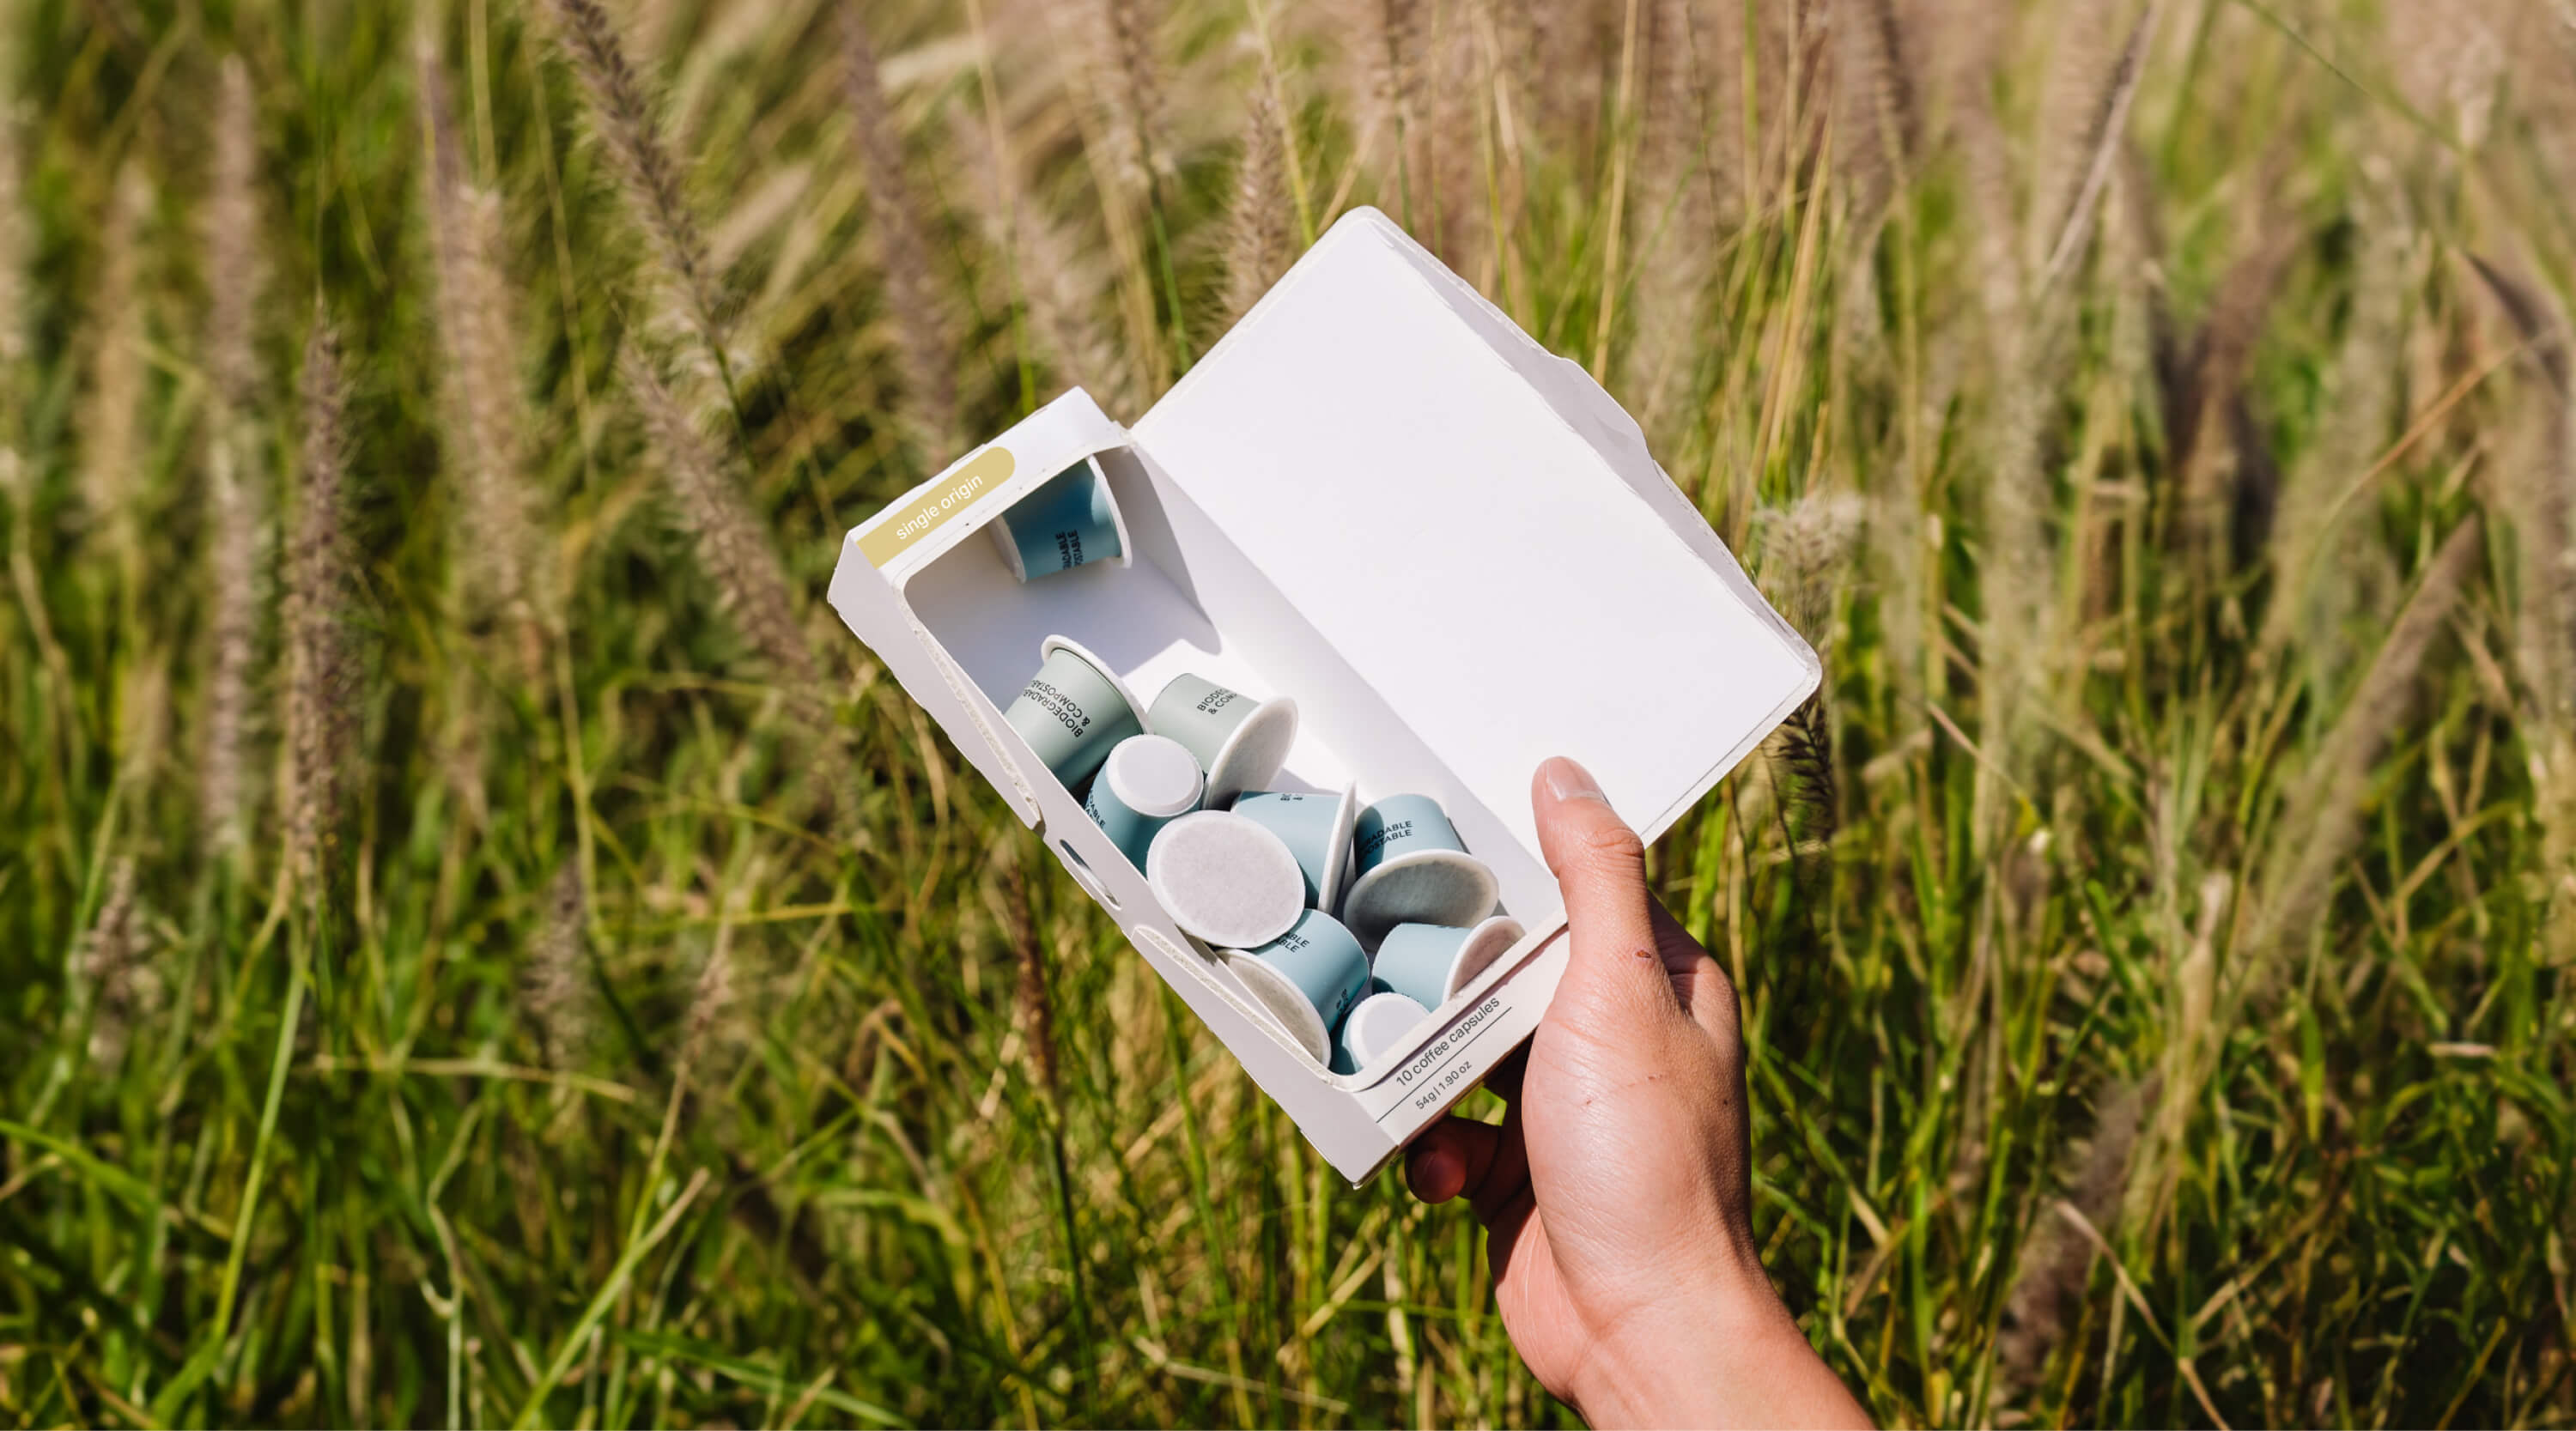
484,946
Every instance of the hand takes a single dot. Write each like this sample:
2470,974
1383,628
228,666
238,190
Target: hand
1615,1193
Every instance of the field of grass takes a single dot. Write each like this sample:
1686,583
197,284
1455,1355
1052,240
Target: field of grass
479,943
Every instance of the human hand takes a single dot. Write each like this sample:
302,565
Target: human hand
1615,1193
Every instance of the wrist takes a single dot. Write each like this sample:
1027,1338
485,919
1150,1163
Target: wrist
1740,1362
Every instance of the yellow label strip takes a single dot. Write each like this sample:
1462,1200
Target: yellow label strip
898,531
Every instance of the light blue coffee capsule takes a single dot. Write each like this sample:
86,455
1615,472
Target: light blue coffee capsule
1376,1024
1317,830
1413,869
1430,963
1146,783
1069,520
1240,742
1074,711
1307,979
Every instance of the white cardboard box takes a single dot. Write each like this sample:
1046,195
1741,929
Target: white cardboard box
1379,496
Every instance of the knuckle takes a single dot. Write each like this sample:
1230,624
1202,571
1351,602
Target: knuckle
1608,847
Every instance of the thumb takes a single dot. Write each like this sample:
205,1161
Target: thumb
1614,973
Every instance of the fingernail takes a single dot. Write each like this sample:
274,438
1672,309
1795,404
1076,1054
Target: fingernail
1569,781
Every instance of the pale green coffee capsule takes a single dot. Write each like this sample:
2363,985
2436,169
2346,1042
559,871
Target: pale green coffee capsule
1073,712
1240,742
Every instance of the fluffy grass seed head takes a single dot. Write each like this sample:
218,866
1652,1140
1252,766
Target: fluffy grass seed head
1257,222
623,116
560,996
927,354
235,514
496,533
322,673
112,437
112,974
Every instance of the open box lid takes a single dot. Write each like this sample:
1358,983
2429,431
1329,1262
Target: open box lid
1478,531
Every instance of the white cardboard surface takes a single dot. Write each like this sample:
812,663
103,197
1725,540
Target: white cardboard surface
1378,496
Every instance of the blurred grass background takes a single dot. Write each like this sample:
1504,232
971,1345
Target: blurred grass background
479,943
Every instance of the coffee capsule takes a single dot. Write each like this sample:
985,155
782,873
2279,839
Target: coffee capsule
1146,783
1430,963
1069,520
1225,879
1413,869
1073,712
1307,978
1240,742
1374,1025
1317,829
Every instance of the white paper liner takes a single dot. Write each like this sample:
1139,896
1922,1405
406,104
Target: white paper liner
1053,644
1251,756
1422,887
1280,998
1226,879
1484,944
1337,854
1377,1024
1008,544
1118,519
1147,775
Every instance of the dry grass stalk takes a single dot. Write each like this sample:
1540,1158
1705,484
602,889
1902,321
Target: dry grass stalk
922,342
1446,168
2210,421
624,117
322,667
1059,284
2321,822
2055,1268
751,584
1676,221
110,973
560,995
112,428
2538,491
143,718
2083,114
232,239
1874,105
1806,563
495,539
1036,993
1258,245
234,511
2079,92
1128,79
2325,567
2195,1022
713,994
15,247
1382,82
732,549
2451,57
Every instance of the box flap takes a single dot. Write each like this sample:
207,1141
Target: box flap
1478,529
